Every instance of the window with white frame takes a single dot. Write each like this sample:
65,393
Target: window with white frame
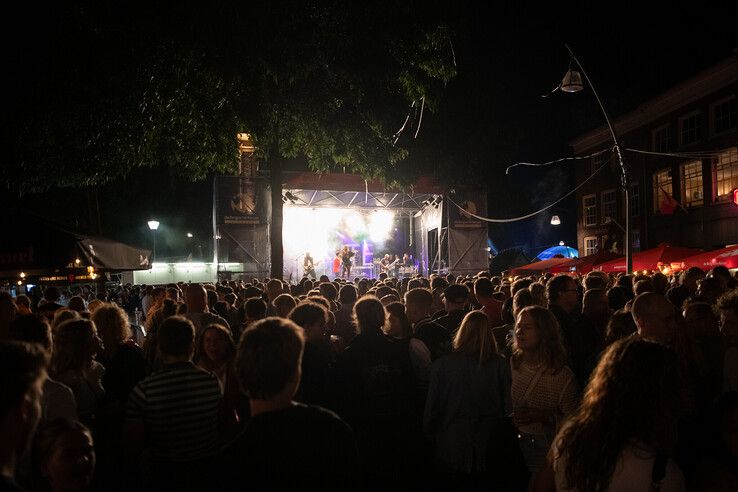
725,167
589,209
724,115
609,206
597,161
662,188
590,245
635,200
662,138
692,193
690,128
635,240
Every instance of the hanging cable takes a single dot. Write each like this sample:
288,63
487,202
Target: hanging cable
420,120
523,217
507,170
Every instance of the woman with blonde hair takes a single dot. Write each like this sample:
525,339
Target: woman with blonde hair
123,359
469,394
544,390
75,345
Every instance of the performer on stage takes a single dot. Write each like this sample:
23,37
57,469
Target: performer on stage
337,264
406,261
308,266
346,255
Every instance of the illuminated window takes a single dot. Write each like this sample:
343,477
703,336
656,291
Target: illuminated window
589,204
724,115
662,138
590,245
609,206
635,200
726,174
692,184
662,188
690,128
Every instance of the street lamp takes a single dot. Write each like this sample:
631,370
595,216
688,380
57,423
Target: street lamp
189,235
572,82
153,225
555,220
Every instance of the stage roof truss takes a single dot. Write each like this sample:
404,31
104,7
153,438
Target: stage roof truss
399,202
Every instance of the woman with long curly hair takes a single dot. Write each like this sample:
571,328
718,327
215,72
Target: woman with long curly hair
544,390
626,426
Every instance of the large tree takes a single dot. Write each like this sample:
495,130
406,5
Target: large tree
327,81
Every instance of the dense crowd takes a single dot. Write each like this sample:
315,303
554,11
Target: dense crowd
586,383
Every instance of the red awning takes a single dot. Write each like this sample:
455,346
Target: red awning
651,259
727,257
538,266
585,264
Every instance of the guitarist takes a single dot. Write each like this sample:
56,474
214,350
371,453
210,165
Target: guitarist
308,266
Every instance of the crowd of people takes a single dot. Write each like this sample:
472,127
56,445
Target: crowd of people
567,383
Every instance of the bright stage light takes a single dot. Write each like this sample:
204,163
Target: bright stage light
380,225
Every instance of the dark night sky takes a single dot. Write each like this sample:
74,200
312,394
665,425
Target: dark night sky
492,115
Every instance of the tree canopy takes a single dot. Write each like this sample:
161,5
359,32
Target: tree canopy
107,89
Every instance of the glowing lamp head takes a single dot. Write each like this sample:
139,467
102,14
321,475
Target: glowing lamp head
153,224
189,234
23,275
20,282
572,82
555,220
77,261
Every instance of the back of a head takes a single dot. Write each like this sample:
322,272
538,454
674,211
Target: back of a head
439,283
23,300
419,297
617,297
594,282
284,303
195,297
645,304
255,308
176,336
52,294
483,288
112,324
308,314
620,325
328,290
74,345
522,299
370,315
632,396
21,365
474,337
348,294
643,286
522,283
31,328
269,356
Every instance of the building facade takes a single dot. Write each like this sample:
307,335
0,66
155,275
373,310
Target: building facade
685,198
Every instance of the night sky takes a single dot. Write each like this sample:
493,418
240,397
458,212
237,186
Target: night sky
492,115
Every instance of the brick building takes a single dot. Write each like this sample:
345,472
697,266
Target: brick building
695,119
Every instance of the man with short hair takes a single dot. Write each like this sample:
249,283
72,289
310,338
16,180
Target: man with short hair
655,318
22,372
174,412
430,340
51,302
284,440
455,301
197,310
563,300
344,316
484,292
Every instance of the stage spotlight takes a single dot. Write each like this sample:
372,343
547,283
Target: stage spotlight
380,225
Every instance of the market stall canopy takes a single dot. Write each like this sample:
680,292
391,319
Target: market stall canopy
538,266
35,245
585,264
727,257
555,251
652,259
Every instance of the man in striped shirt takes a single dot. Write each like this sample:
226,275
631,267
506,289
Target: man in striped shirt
173,414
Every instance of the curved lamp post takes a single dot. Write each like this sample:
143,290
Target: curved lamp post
572,82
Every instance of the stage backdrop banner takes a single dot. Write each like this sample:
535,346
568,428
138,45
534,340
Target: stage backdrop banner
476,205
240,201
